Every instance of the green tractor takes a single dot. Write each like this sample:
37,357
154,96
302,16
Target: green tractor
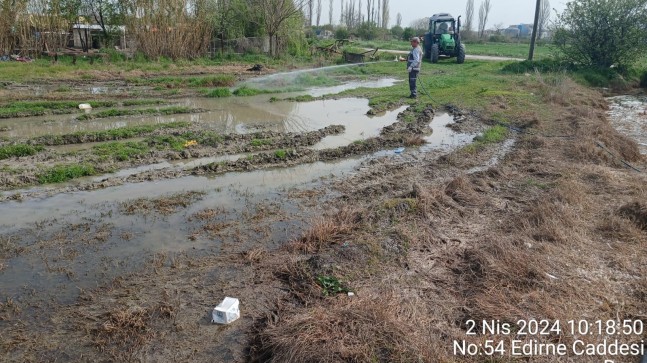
444,39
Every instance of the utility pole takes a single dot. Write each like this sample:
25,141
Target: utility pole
533,38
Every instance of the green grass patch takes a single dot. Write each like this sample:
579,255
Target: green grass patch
121,151
260,142
331,285
303,98
167,142
493,135
248,91
105,135
143,102
62,173
38,108
19,150
223,80
512,50
115,112
218,93
281,154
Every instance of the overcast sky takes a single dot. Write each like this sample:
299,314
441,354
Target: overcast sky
507,12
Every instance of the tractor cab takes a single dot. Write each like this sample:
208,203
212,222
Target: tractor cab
443,38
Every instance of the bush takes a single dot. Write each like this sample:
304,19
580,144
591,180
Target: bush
498,38
408,33
342,33
602,33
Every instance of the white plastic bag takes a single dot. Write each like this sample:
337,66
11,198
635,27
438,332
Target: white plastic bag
226,312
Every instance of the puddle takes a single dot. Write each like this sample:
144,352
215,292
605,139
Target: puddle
380,83
628,114
360,128
231,115
443,138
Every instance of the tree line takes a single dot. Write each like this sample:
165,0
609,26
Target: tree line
170,28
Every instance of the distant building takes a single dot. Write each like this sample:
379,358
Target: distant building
511,32
518,31
324,34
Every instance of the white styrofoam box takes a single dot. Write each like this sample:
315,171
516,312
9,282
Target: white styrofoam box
226,312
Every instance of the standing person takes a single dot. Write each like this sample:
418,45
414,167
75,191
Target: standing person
413,66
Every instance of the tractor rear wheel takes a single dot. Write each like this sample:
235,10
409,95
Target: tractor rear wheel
460,57
434,53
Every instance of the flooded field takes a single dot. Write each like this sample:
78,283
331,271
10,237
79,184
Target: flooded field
59,240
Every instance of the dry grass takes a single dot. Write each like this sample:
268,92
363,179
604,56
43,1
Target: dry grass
165,205
328,230
414,140
166,29
207,214
462,192
357,329
124,330
636,212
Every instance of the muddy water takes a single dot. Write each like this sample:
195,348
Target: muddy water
225,115
80,240
49,269
60,268
444,138
628,114
361,127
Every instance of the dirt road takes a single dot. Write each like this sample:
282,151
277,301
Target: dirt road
467,56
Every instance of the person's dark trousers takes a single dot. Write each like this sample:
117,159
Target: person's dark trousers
413,86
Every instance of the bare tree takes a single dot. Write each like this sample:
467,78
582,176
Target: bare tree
420,25
360,17
398,19
330,12
369,11
379,12
544,16
310,10
341,13
275,13
318,12
385,14
484,11
469,16
9,16
498,27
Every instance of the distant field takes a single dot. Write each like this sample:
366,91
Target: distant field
514,50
